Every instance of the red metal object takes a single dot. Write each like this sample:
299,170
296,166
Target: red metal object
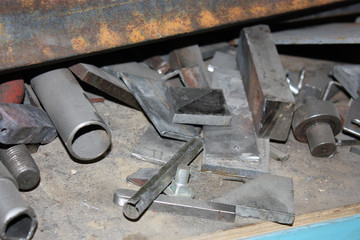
12,91
37,31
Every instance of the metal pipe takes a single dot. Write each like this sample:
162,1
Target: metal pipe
142,199
80,126
17,219
18,160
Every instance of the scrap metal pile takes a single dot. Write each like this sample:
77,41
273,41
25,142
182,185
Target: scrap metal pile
230,109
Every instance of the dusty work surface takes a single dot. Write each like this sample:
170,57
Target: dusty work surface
74,200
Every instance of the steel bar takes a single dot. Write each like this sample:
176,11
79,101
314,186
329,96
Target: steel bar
353,114
25,124
142,199
183,206
151,96
105,82
264,78
17,218
334,33
80,126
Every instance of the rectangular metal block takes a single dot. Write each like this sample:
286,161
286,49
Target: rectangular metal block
270,99
183,206
151,95
234,150
190,62
105,82
199,106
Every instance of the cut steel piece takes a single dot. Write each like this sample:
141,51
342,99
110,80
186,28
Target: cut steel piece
267,197
264,78
156,149
17,218
105,82
80,126
159,64
353,115
142,175
234,150
25,124
199,106
209,51
189,61
134,68
223,61
151,96
183,206
349,77
333,33
143,198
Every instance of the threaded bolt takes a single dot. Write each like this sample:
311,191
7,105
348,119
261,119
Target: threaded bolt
18,160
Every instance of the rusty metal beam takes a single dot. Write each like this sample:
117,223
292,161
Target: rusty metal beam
37,31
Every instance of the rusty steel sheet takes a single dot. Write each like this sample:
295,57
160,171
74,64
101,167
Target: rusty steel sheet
333,33
33,32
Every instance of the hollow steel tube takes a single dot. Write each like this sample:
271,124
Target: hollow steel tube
83,131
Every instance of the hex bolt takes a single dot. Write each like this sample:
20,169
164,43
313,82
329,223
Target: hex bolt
179,186
316,122
18,160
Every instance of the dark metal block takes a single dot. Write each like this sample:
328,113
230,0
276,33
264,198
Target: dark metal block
199,106
25,124
270,99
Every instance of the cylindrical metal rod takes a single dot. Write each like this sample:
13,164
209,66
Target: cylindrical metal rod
80,126
18,160
17,219
321,140
142,199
